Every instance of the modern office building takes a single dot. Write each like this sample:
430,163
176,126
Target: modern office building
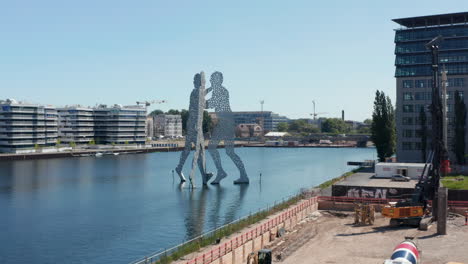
26,127
413,75
119,124
167,126
76,124
270,119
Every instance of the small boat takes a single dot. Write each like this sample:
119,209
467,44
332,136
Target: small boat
116,153
98,154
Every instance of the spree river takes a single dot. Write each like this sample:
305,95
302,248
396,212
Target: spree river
116,209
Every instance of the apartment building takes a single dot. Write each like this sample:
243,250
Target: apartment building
26,127
76,124
119,124
167,125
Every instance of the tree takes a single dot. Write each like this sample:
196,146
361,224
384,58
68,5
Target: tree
459,128
173,112
184,115
282,127
368,121
423,133
383,126
334,125
156,112
301,126
207,123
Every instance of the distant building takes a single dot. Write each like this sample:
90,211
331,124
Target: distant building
24,126
167,125
75,124
248,130
149,127
119,124
270,120
414,75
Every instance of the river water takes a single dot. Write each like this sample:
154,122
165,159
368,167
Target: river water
116,209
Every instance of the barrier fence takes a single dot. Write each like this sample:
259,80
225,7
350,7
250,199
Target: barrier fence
155,257
238,241
343,199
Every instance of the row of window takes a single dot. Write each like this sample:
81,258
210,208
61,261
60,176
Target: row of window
444,57
411,145
425,70
427,96
448,44
430,33
417,108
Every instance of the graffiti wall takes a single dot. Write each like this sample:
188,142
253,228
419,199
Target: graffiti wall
371,192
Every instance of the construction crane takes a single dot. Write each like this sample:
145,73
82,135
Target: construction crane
411,211
314,114
148,103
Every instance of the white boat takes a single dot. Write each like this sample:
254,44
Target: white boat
116,153
98,154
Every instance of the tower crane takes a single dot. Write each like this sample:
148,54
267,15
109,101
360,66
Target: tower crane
314,114
148,103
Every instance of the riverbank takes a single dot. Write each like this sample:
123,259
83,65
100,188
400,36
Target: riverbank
136,150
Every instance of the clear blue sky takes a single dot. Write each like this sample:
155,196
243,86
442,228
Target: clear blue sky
285,52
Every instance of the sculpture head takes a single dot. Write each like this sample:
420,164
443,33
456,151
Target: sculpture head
216,78
197,80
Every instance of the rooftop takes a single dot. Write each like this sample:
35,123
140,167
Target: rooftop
433,20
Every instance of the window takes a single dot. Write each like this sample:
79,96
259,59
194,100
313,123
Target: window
407,145
422,83
450,120
407,120
450,108
408,96
408,108
408,84
418,133
419,96
455,82
418,108
449,95
408,133
417,145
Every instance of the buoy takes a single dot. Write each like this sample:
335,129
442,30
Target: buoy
405,253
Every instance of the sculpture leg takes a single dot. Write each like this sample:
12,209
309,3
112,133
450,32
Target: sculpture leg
194,163
202,165
220,173
229,145
183,157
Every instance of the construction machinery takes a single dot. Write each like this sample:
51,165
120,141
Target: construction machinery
411,211
364,214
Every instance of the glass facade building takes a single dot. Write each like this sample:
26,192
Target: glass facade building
414,75
270,119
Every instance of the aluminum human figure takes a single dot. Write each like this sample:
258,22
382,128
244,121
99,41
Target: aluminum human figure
224,129
195,132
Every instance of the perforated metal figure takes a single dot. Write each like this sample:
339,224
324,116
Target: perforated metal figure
195,132
224,129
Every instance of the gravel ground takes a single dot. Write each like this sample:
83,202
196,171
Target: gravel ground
331,237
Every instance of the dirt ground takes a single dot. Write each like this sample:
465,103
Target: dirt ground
331,237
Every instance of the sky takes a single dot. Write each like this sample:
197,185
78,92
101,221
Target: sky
287,53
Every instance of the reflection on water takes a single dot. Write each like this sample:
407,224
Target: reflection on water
120,208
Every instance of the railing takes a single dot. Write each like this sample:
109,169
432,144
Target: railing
235,242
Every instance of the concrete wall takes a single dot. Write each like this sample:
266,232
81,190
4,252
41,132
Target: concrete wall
256,237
